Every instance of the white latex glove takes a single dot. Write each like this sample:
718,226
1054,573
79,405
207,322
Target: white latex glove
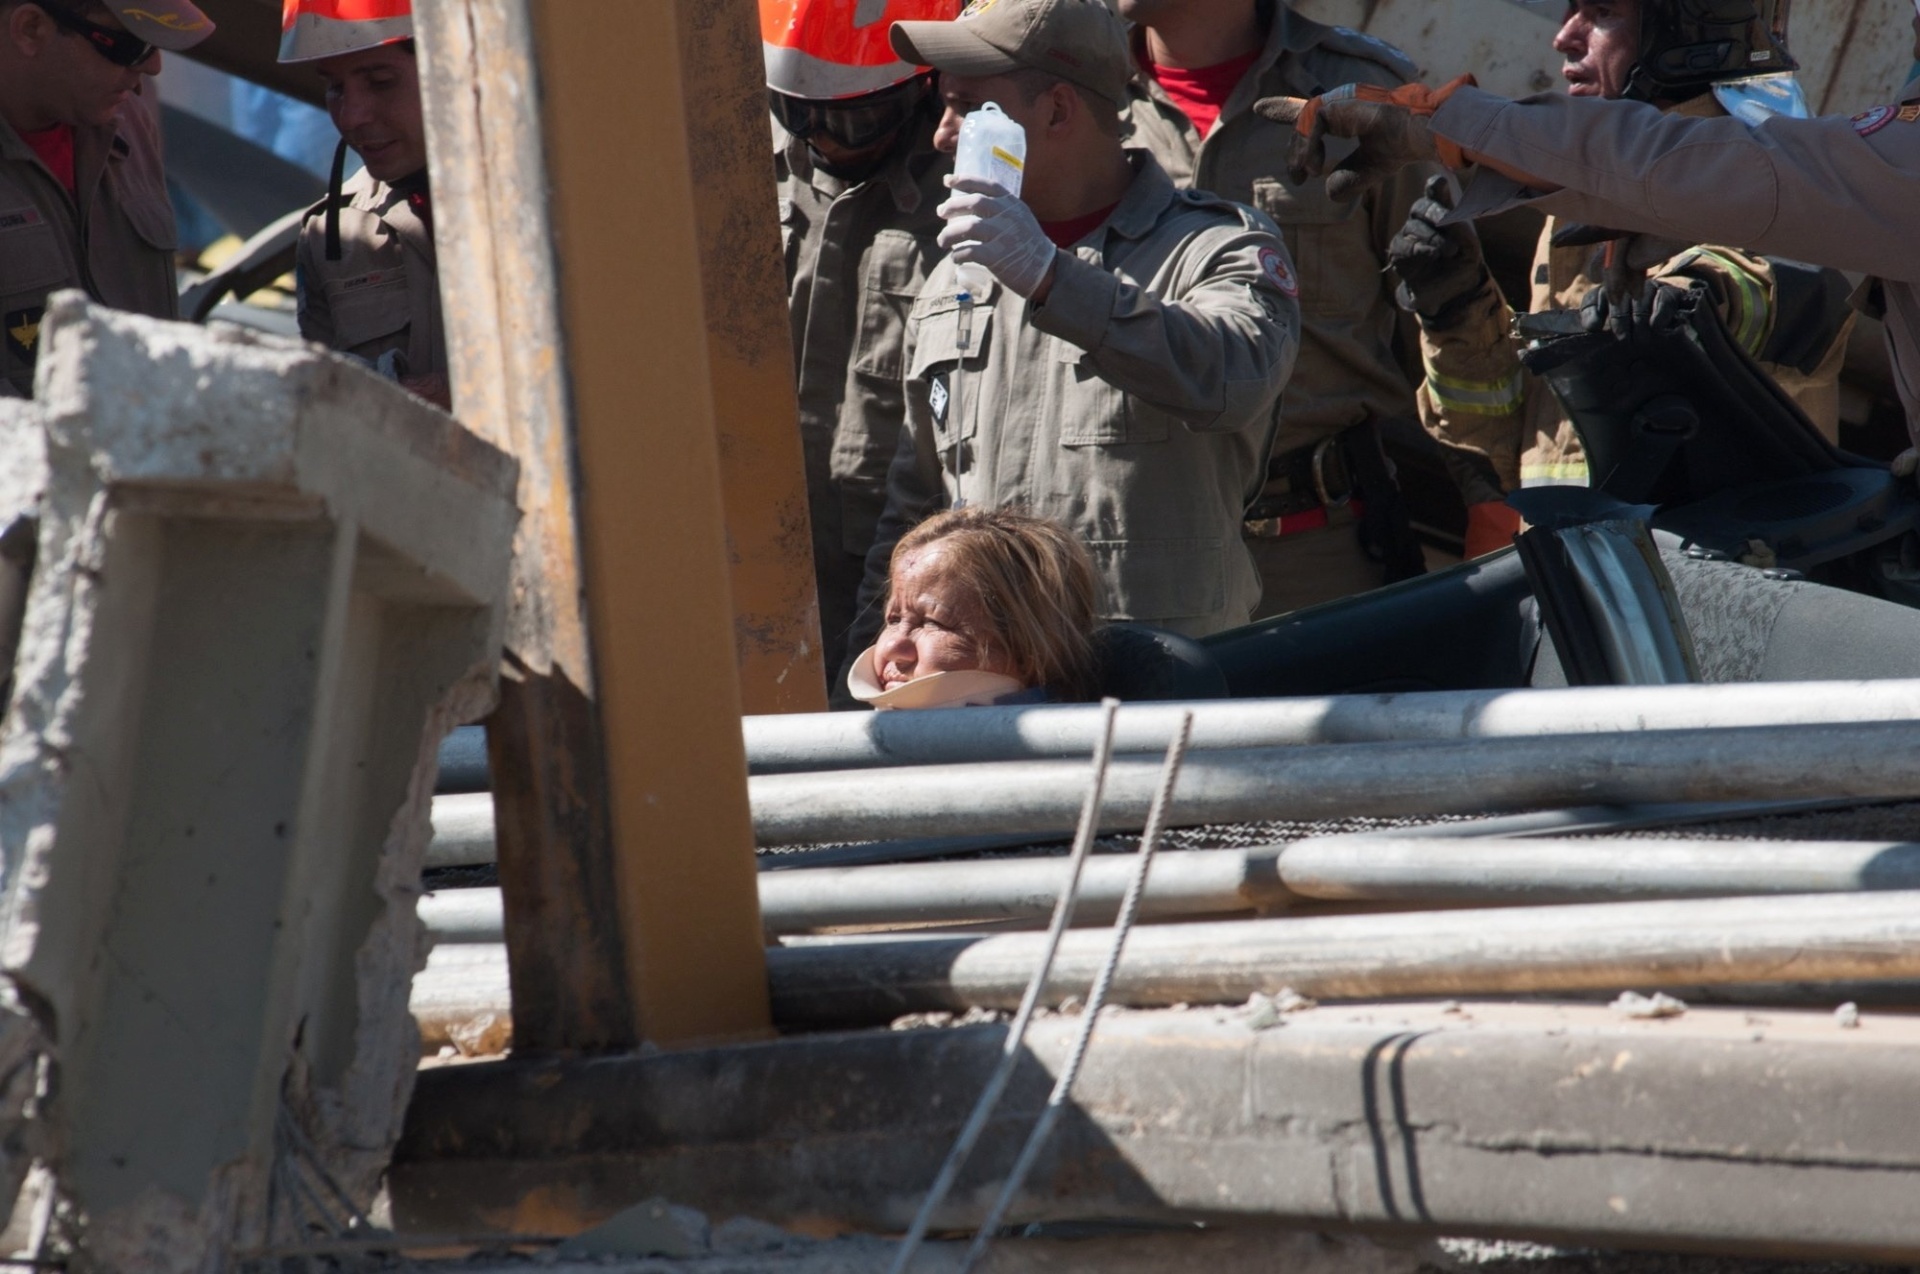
988,227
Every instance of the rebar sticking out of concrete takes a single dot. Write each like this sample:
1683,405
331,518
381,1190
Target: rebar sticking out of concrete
1096,1000
1040,966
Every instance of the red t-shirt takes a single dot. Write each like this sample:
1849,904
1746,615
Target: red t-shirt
1201,91
1067,233
55,148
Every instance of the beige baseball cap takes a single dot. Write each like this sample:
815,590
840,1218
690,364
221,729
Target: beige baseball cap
1080,41
172,25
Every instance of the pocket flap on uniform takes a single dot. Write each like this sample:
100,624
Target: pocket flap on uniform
30,256
936,339
1102,414
369,307
1300,205
152,219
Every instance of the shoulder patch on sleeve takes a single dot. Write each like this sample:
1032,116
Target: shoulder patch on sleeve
1359,44
1873,119
1279,272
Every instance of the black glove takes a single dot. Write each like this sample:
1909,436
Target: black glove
1656,312
1440,266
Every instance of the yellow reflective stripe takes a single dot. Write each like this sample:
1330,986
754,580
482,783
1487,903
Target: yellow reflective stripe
1748,321
1458,397
1561,473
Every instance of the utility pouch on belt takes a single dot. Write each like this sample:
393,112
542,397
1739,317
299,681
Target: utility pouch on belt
1308,488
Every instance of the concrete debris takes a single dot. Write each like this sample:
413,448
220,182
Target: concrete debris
1288,1000
1657,1005
485,1034
265,584
1265,1011
1512,1119
652,1228
1847,1016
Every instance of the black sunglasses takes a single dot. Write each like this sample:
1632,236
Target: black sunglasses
122,48
857,125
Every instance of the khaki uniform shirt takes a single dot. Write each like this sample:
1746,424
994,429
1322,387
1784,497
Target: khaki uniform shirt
1478,398
384,291
1839,192
1135,405
114,239
1348,370
856,257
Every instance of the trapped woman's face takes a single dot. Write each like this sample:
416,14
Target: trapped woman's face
928,621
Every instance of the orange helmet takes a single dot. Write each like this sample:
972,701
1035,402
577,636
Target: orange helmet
828,49
313,29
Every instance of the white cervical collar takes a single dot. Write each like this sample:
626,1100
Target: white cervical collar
972,688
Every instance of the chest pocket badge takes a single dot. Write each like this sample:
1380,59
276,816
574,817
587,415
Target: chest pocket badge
23,332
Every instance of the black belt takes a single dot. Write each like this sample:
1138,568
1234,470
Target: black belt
1315,476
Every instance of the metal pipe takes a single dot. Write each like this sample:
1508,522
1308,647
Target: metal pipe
1369,868
1522,949
1875,760
1199,883
852,740
462,831
468,833
463,916
1480,872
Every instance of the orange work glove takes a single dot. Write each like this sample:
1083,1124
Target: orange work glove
1491,526
1390,125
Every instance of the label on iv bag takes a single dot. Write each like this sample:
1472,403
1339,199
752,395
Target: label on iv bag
992,148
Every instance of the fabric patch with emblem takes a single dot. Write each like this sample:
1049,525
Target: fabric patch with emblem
373,279
19,219
1278,272
22,329
937,399
975,8
1873,119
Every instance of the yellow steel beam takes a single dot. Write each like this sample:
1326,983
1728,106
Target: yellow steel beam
580,331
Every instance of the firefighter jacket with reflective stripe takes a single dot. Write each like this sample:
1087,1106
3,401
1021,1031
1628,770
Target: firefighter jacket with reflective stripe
1832,190
1478,398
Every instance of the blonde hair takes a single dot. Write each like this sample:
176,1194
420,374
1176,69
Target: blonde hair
1036,586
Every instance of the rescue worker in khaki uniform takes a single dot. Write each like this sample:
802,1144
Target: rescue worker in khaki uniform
367,275
859,182
1791,318
1119,370
1199,66
83,197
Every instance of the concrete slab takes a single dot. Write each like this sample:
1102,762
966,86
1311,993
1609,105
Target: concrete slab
1721,1130
267,584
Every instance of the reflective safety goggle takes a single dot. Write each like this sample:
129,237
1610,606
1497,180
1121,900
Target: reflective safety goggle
122,48
856,124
